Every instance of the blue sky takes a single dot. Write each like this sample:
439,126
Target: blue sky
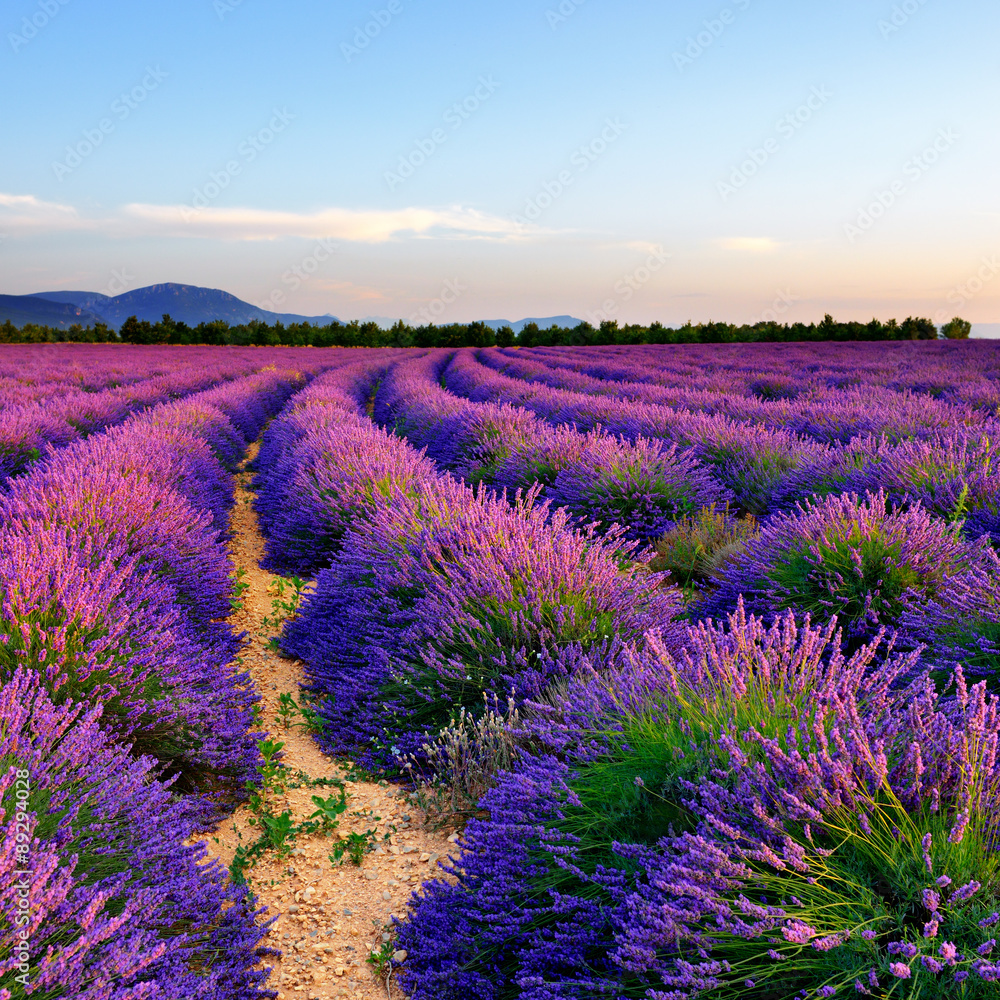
632,160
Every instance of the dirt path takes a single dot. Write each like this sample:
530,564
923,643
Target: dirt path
331,915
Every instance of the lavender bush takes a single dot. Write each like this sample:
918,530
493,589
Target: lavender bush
698,547
858,559
541,882
643,486
444,594
337,474
953,474
858,860
961,624
113,575
118,908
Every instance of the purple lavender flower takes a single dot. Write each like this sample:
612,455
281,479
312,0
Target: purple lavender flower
151,915
522,846
643,486
856,559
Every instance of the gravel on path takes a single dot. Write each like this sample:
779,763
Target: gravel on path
330,916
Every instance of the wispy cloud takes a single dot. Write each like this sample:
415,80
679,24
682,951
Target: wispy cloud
24,213
20,213
352,225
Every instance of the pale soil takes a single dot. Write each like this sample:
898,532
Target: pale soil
329,916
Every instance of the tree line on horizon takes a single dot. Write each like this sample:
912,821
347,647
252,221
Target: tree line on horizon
356,334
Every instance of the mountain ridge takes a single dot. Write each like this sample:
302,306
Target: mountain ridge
24,309
191,304
543,323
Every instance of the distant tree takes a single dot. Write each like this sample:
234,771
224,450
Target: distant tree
371,334
164,331
581,334
130,331
717,333
337,334
657,333
917,328
401,334
607,332
457,335
181,333
213,333
505,336
426,336
479,335
956,329
341,335
875,331
689,334
631,334
528,337
239,334
552,336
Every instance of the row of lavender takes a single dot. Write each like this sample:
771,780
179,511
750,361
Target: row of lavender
64,399
647,483
768,462
762,380
429,594
30,374
856,528
752,806
835,411
125,726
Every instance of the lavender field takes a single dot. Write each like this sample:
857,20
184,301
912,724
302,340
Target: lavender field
695,645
